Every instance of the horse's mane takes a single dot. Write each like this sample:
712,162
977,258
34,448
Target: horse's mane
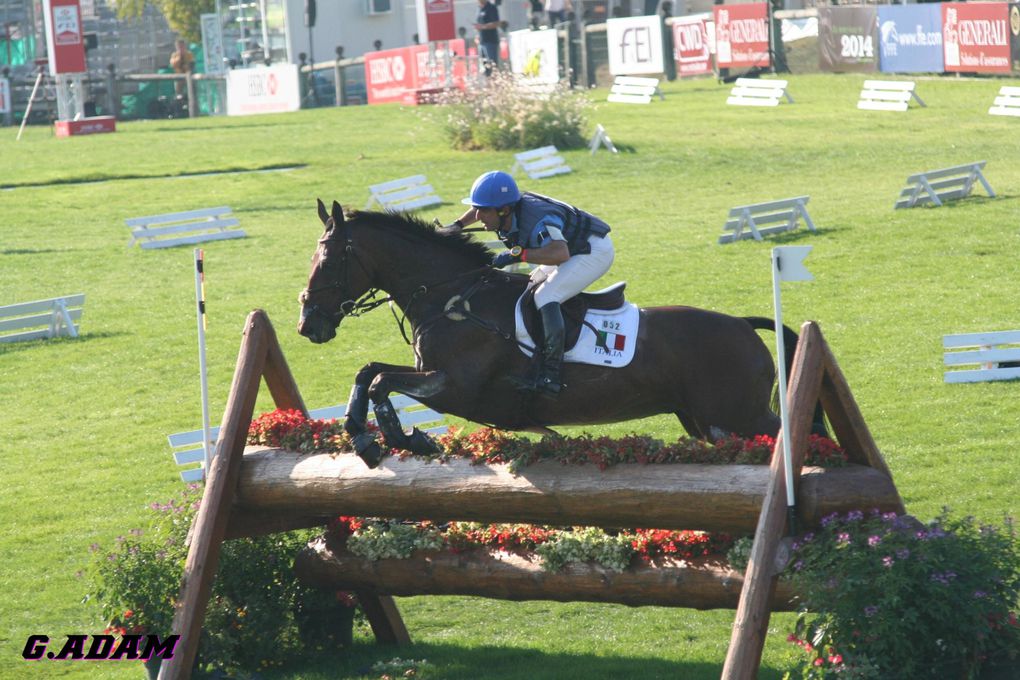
418,229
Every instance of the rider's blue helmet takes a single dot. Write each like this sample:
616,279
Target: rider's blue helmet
493,190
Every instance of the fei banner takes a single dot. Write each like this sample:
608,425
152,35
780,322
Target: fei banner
535,55
64,42
975,37
635,45
741,35
263,89
846,39
690,46
910,38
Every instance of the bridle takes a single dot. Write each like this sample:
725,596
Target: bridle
349,306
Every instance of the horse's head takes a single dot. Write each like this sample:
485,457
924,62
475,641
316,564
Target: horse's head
337,280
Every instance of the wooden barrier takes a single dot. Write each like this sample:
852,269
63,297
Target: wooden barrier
980,357
757,92
888,95
937,186
52,318
193,226
269,490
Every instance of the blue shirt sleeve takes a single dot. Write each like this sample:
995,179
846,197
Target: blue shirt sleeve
548,229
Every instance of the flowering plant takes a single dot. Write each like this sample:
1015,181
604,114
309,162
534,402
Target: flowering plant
885,596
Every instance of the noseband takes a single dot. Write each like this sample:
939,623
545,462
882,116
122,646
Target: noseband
349,306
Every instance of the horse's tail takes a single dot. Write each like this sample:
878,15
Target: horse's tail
790,339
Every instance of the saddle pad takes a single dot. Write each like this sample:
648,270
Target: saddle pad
612,346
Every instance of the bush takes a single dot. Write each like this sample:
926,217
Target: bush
506,113
887,597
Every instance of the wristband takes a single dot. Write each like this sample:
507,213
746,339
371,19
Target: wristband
524,256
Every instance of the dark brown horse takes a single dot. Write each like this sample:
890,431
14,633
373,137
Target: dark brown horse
710,369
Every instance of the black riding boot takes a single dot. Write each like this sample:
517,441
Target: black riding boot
552,350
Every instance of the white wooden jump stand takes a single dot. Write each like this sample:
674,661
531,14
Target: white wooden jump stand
758,92
266,490
192,226
539,163
634,90
601,139
1007,103
888,95
937,186
762,219
982,356
52,318
407,193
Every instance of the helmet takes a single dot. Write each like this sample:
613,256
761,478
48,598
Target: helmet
493,190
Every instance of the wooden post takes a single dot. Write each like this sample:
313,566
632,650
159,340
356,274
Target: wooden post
751,623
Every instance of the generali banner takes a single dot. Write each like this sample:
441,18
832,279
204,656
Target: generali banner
741,35
976,37
690,46
846,39
635,45
395,75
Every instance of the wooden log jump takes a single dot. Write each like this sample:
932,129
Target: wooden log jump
266,490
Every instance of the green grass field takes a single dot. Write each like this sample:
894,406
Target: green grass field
83,421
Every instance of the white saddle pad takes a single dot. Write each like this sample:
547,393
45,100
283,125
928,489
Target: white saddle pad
612,345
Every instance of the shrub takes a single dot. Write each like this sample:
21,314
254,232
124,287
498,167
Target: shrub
885,596
505,113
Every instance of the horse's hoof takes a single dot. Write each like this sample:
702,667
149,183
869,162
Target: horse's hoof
371,455
421,444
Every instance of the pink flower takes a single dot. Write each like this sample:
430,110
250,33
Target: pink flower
819,661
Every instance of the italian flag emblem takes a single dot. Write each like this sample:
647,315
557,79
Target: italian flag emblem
611,341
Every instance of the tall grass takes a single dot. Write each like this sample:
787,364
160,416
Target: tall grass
83,422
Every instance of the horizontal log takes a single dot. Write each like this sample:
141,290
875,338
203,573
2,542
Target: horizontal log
705,583
668,496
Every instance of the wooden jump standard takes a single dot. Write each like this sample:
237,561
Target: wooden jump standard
268,490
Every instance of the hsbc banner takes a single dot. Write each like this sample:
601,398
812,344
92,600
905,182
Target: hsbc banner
975,37
395,75
741,35
535,55
635,45
435,20
64,42
910,39
263,89
690,46
846,39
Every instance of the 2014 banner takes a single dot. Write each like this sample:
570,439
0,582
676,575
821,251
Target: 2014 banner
846,39
742,35
976,37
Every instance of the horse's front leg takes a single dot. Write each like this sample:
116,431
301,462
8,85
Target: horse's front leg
413,384
356,417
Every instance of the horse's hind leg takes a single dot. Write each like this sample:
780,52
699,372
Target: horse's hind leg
690,424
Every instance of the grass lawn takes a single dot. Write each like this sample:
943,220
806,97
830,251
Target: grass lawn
83,421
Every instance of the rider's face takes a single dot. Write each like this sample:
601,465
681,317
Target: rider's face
493,218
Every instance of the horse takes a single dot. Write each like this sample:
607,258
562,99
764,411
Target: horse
710,369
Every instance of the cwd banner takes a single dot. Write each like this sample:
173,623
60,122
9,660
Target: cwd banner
263,89
846,39
635,45
741,35
910,39
975,37
690,46
535,55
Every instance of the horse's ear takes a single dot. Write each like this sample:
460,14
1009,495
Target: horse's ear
323,215
338,214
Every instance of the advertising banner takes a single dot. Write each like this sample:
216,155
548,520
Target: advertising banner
635,45
535,55
910,38
212,44
396,75
846,39
741,35
263,89
435,20
5,95
690,46
975,37
1014,34
64,43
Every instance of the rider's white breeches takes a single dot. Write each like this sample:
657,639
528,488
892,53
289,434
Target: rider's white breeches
556,284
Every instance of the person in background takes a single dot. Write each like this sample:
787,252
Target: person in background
535,9
556,10
182,61
487,24
571,247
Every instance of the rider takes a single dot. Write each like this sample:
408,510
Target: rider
571,247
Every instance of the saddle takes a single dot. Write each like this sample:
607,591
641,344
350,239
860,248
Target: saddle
574,310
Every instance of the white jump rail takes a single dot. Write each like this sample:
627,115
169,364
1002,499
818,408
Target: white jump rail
192,226
758,92
1007,103
188,450
983,356
937,186
762,219
41,318
600,139
634,90
407,193
542,162
888,95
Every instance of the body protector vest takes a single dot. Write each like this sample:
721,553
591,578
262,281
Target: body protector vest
578,225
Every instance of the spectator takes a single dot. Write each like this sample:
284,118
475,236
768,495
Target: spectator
556,10
377,45
182,61
535,10
487,24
